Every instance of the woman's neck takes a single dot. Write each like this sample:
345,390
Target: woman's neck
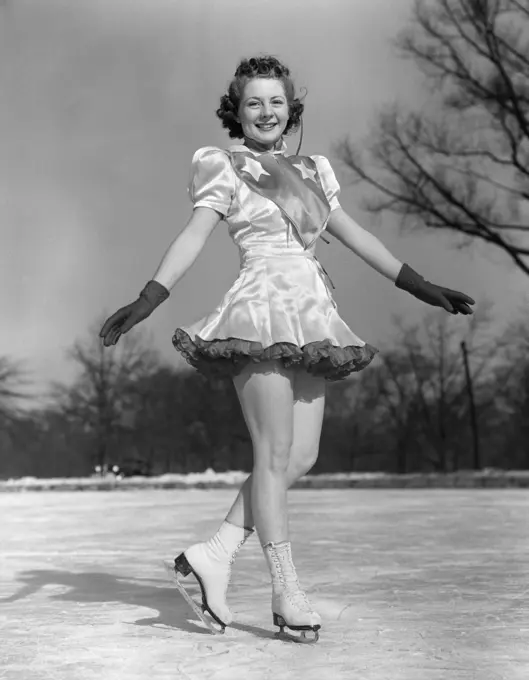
256,146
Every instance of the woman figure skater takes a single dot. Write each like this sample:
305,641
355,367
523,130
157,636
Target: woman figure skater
277,332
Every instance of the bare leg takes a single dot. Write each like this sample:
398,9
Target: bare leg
267,401
266,394
309,405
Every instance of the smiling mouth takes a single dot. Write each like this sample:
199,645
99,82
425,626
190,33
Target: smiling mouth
267,126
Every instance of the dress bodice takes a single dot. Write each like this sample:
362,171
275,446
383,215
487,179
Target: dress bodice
255,223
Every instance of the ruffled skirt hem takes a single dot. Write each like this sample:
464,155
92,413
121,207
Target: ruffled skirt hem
227,358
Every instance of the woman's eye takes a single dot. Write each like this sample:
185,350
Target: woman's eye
277,102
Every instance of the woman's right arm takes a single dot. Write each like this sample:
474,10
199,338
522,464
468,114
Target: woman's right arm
186,247
211,190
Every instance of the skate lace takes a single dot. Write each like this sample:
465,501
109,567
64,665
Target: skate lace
234,553
230,564
291,588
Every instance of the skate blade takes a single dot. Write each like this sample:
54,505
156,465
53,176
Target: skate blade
198,609
302,639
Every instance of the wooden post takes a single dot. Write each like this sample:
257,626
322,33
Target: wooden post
473,419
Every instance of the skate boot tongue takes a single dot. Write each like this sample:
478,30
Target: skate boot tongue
283,571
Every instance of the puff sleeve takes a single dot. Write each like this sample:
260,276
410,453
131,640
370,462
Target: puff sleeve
328,180
212,181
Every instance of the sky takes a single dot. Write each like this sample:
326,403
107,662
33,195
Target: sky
104,103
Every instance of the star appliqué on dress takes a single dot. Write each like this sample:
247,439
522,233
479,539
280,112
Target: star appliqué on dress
253,168
306,173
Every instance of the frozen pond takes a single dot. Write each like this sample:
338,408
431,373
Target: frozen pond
411,585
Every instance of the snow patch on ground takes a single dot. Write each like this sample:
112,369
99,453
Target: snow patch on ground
209,479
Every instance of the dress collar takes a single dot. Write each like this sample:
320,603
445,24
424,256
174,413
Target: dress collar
242,147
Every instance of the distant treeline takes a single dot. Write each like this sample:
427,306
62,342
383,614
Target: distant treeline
409,411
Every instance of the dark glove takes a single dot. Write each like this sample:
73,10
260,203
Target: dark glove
125,318
451,300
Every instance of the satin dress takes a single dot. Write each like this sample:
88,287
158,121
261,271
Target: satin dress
280,307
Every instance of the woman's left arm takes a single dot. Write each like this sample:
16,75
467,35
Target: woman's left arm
363,244
375,253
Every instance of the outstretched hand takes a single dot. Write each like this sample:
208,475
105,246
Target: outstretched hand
451,300
124,319
121,322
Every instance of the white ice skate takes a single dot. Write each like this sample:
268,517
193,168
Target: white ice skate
211,564
200,610
290,606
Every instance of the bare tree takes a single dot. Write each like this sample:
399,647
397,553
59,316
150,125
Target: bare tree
423,390
15,423
101,395
462,162
13,379
509,393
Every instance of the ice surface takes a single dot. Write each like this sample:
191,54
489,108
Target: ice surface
411,585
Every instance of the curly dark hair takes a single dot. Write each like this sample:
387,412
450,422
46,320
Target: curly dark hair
258,67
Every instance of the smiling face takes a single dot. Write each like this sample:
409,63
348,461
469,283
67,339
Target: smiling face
263,113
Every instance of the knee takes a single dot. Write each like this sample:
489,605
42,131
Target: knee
303,462
273,457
